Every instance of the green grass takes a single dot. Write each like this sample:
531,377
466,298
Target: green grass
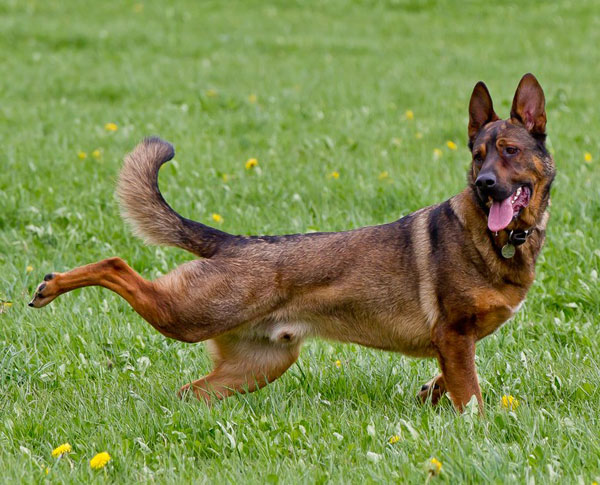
333,81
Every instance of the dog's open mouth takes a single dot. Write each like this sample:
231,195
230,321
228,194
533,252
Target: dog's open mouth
504,211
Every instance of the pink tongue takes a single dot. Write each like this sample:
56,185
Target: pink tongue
501,213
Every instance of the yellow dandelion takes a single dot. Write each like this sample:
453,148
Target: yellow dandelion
100,460
394,439
217,218
418,135
47,470
29,269
509,401
437,153
409,114
81,155
7,304
225,177
338,363
383,175
252,98
435,466
251,163
451,145
61,450
111,127
96,153
334,175
587,157
211,93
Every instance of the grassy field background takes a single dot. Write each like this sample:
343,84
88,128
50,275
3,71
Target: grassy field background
308,89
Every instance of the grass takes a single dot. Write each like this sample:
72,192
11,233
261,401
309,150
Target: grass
307,89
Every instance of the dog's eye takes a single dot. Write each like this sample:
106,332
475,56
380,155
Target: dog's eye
477,158
511,150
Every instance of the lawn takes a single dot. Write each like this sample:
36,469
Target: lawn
348,109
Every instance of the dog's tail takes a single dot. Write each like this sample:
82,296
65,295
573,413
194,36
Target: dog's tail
144,207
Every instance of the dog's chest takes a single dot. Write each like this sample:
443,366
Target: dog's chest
492,308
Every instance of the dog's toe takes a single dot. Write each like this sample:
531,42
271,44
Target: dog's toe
183,392
423,394
432,390
40,289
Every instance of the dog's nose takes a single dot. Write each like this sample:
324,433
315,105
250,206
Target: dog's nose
486,181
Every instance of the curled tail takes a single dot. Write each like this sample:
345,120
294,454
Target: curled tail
144,207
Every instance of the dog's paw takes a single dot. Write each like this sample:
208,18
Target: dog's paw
185,391
433,390
45,292
193,390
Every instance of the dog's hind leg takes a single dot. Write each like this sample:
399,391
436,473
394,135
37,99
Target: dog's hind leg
146,298
242,365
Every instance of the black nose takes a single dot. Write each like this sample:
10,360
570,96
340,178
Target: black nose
486,180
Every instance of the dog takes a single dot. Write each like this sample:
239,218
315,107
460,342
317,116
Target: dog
431,284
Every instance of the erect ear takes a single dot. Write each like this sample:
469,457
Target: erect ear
481,109
529,105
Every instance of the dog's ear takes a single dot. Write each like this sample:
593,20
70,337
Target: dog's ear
481,109
529,105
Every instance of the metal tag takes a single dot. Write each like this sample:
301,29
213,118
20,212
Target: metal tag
508,251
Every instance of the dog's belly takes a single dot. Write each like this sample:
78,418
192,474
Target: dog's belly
407,334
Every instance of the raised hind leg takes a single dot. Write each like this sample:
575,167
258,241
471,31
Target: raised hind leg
146,298
198,300
242,365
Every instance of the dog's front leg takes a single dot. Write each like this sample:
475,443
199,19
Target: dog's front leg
433,390
456,355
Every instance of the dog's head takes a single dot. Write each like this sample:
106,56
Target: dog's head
512,171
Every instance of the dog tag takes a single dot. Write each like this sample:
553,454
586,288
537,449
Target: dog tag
508,250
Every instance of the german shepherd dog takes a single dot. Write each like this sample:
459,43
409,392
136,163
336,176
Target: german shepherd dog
430,284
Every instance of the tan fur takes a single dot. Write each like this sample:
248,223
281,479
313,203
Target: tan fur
430,284
427,290
136,190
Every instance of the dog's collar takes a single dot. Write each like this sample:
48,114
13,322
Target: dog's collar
515,239
519,237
